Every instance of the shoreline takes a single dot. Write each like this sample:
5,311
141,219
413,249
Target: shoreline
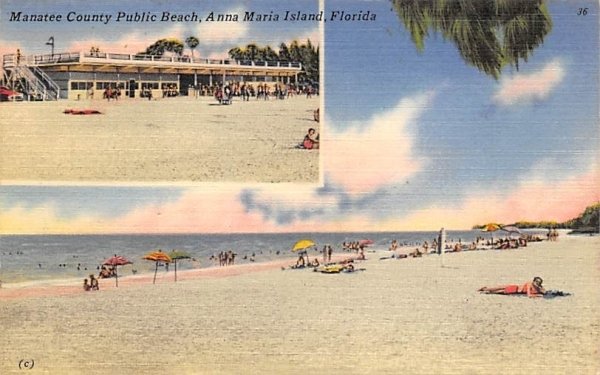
73,286
419,315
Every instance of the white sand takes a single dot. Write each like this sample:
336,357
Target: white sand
397,317
166,140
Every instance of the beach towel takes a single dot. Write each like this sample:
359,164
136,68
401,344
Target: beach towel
550,294
555,293
81,112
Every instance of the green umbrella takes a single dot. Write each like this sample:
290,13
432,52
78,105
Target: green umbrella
176,255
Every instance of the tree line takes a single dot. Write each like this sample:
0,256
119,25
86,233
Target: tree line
305,53
586,222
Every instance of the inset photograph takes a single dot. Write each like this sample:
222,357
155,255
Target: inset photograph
122,93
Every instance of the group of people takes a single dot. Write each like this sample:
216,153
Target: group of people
346,265
247,90
107,272
552,235
225,258
92,284
355,246
302,263
169,91
111,93
451,246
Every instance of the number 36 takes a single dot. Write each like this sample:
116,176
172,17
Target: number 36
582,11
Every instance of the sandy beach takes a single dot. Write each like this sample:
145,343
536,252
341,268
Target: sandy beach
164,140
416,315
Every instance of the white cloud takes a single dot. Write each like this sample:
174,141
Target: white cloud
364,158
528,87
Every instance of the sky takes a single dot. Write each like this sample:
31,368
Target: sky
216,38
410,141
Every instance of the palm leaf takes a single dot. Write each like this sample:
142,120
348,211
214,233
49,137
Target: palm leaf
488,34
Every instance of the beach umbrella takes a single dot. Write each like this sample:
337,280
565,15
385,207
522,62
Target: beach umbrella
303,245
116,261
491,227
511,229
177,255
365,242
157,256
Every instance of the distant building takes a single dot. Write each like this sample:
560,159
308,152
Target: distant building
81,75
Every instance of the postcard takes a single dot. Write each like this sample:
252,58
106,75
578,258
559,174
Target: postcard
276,187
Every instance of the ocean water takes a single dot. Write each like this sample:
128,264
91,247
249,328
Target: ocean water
45,257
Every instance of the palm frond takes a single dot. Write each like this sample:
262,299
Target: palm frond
488,34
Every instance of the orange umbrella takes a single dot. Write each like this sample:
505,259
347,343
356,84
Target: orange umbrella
491,227
157,256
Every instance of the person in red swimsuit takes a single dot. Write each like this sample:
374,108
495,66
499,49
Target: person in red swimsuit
532,289
311,140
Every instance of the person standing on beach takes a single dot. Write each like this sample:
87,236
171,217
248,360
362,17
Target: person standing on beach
94,283
329,252
440,241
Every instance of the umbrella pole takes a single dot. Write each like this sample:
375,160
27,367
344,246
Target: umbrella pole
155,270
175,270
117,276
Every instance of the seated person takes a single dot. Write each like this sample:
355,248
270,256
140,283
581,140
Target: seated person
532,289
104,273
86,286
300,263
311,140
503,245
415,253
94,283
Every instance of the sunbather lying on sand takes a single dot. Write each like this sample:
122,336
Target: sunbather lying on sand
337,268
532,289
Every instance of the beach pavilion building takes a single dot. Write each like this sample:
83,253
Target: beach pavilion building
85,75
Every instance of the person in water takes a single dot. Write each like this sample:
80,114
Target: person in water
532,289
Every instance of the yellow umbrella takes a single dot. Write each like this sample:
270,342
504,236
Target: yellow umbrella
302,245
157,256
